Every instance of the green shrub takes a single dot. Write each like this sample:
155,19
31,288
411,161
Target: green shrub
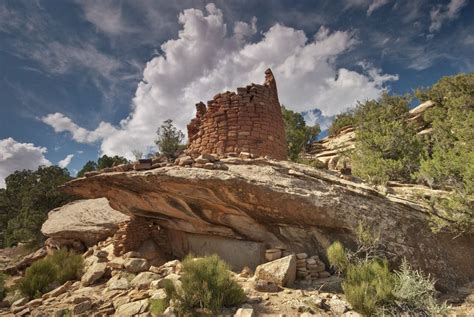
57,268
3,290
207,286
368,285
387,147
341,121
372,289
338,257
69,265
169,140
415,292
298,134
38,279
158,306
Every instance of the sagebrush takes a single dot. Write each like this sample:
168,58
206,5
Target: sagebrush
51,271
372,289
206,287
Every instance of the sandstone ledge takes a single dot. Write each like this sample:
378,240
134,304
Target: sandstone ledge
281,203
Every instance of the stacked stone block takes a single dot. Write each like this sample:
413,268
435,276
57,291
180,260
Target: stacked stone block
307,267
131,234
249,120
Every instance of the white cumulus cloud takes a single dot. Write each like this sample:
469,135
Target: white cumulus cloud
66,161
61,123
19,156
207,58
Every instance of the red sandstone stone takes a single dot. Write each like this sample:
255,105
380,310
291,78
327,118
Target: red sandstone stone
249,121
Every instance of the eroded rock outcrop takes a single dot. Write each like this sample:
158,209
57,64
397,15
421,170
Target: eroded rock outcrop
265,204
85,222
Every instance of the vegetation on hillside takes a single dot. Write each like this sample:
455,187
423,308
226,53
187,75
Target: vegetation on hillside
47,273
26,201
388,147
341,121
103,162
448,161
372,289
298,134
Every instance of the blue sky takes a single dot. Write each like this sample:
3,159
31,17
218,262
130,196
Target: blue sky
83,78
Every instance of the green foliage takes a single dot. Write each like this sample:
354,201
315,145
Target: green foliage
415,292
372,289
298,134
338,257
368,285
59,267
449,159
387,147
169,140
38,279
341,121
69,265
207,286
26,201
158,306
3,290
103,162
90,166
110,161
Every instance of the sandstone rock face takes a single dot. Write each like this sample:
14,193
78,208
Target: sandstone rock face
281,272
281,204
87,221
248,121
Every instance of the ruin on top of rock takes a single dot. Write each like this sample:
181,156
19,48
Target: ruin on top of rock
247,121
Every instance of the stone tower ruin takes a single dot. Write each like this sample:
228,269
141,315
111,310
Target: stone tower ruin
247,121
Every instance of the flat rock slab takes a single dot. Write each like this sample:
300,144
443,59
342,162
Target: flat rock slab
88,221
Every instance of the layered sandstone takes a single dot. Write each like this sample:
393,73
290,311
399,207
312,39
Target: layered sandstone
251,207
249,120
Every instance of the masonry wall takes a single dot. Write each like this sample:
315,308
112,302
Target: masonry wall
249,120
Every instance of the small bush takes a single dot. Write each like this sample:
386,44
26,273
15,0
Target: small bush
368,285
38,279
341,121
206,286
3,291
416,292
59,267
158,306
69,265
338,257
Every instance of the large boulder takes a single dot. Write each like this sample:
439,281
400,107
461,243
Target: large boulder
93,273
88,221
281,272
281,204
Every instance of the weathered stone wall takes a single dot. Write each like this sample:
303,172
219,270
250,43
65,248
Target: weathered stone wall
134,232
247,121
